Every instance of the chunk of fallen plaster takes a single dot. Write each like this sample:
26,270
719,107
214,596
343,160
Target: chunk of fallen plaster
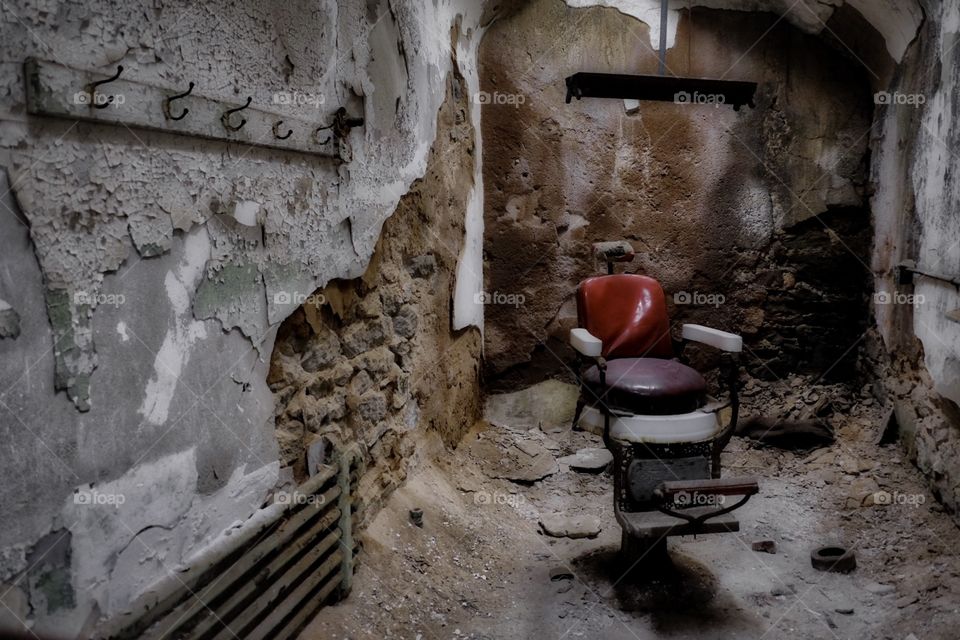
879,589
546,404
559,525
520,461
764,546
589,459
9,321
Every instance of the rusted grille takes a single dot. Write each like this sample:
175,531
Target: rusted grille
276,571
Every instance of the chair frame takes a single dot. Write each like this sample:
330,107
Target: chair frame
588,350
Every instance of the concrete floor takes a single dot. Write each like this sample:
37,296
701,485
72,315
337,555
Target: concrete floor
481,566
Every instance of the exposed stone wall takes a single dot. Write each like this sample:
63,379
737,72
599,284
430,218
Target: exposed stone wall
375,359
702,192
804,306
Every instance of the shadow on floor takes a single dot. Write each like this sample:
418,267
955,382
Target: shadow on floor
678,596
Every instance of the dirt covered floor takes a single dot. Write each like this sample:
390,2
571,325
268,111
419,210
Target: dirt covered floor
483,565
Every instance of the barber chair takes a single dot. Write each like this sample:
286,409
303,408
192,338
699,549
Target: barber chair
664,430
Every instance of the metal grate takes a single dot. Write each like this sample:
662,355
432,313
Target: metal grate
272,575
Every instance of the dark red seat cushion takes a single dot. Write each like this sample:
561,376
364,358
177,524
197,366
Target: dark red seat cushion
648,386
628,312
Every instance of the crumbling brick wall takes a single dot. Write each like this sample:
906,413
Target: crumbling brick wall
374,360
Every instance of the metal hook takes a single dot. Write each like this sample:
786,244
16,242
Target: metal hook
318,130
166,104
226,116
276,130
93,90
341,126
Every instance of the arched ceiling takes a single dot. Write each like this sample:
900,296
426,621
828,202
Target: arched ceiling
897,21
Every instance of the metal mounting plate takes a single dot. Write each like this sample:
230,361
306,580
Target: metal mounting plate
58,91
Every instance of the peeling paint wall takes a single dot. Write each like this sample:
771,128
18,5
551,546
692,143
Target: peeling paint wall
149,272
917,346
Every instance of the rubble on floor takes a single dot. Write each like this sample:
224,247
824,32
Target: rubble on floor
482,566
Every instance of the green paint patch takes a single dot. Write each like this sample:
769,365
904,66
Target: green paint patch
57,589
234,296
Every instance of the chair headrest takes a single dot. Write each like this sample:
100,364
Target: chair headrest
628,312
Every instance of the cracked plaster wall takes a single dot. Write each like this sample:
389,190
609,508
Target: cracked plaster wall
916,346
144,268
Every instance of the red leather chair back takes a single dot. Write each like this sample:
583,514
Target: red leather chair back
628,313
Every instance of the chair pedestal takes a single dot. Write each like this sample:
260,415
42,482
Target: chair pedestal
645,554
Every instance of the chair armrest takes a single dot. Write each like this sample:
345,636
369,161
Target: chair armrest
718,487
585,343
687,493
712,337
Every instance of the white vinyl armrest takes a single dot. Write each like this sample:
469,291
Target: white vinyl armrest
713,337
587,344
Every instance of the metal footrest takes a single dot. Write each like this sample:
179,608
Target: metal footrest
655,524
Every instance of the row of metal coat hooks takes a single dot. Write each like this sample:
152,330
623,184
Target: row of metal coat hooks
49,85
341,124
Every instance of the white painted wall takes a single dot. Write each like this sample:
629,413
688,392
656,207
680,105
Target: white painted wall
937,194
